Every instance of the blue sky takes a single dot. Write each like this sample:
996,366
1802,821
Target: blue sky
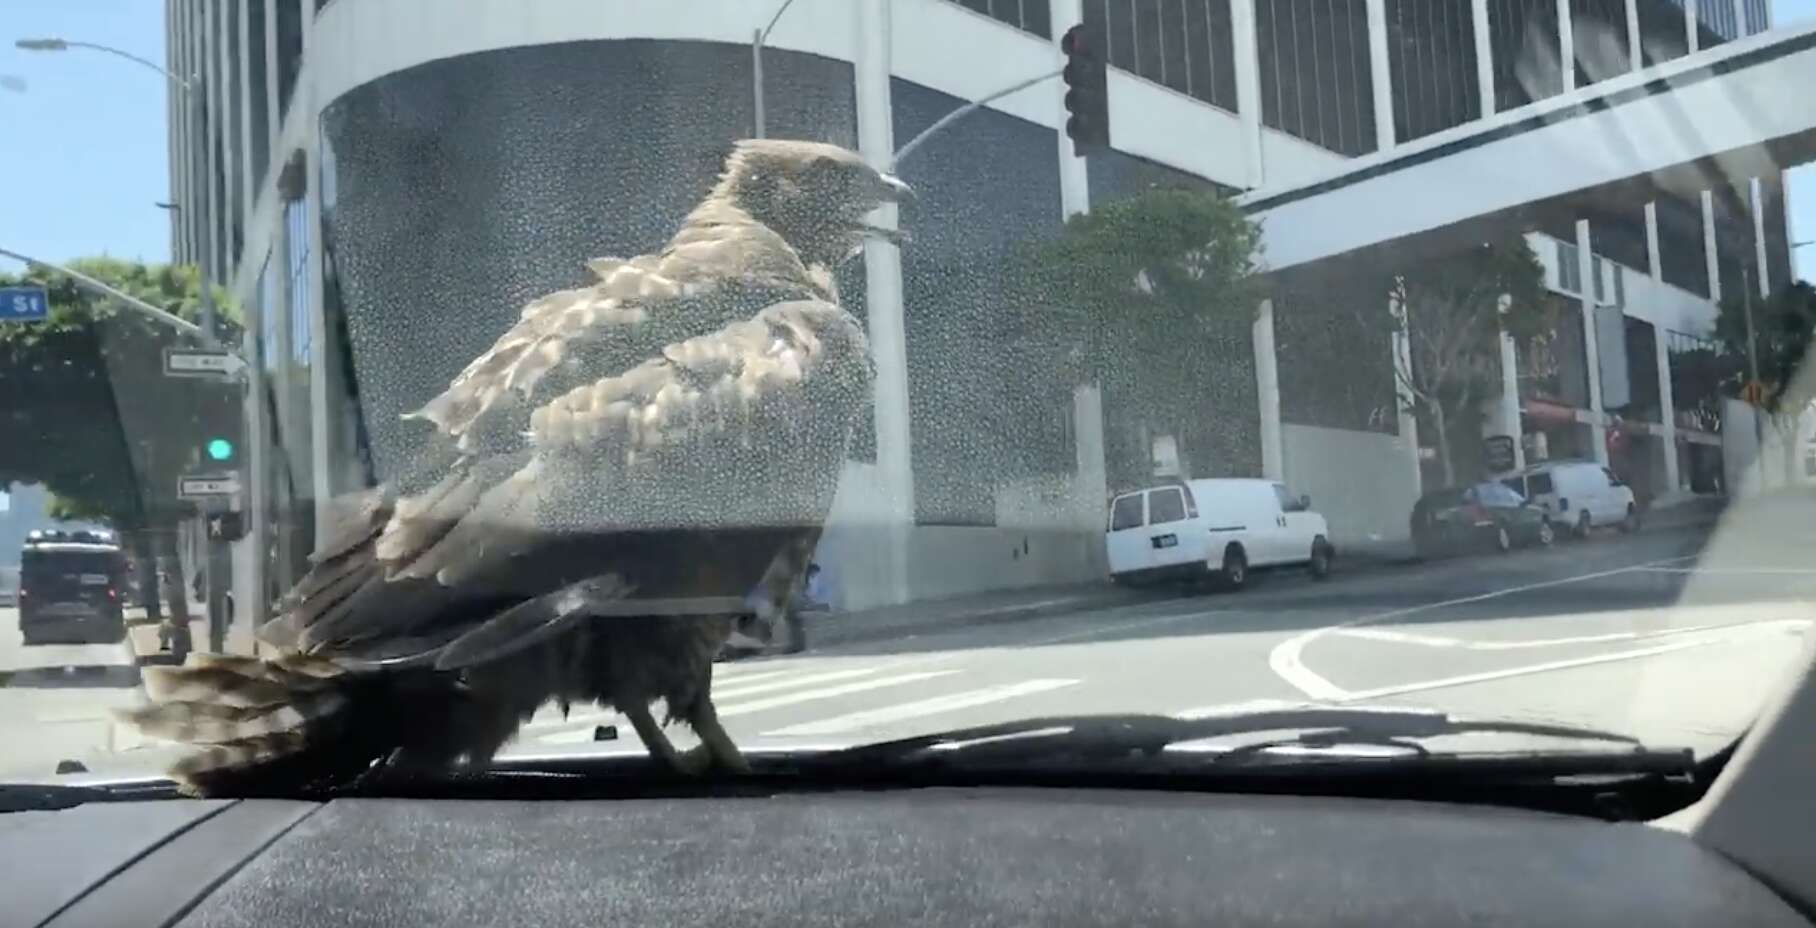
84,160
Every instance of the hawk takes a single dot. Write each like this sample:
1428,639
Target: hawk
604,488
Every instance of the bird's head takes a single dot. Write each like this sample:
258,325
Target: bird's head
815,195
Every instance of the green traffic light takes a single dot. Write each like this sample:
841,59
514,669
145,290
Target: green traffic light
219,449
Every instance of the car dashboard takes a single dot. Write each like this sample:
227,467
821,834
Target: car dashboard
927,856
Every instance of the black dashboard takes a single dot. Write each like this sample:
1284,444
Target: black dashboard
933,856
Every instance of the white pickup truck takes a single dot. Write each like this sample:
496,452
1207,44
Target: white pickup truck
1218,527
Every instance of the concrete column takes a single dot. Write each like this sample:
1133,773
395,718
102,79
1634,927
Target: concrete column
1092,482
1381,72
883,289
1566,44
1756,205
1484,47
305,11
1267,392
1403,399
1248,86
1509,403
273,124
1592,352
1090,475
1657,270
1709,250
1667,410
1740,17
1635,58
1691,40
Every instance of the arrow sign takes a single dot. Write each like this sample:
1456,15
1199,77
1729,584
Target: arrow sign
203,486
202,362
24,304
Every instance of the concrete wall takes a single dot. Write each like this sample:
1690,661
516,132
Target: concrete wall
1362,482
1046,532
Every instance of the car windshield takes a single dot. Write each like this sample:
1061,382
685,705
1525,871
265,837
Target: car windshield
697,380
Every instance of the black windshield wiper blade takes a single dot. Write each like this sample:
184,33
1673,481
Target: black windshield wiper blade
1112,738
47,797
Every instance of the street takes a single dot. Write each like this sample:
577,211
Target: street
1673,636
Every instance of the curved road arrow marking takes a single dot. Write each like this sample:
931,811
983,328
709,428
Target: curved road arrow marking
1287,658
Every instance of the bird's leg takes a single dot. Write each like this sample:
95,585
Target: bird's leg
717,744
656,741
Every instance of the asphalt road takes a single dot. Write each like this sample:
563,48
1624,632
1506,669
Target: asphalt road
1675,637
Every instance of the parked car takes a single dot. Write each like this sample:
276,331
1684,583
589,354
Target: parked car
1487,515
1579,494
1221,528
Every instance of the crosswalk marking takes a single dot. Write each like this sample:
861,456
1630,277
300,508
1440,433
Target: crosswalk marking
737,691
934,706
733,677
789,699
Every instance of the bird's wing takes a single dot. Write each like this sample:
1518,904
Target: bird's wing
685,476
703,280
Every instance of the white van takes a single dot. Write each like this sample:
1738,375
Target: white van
1219,527
1579,494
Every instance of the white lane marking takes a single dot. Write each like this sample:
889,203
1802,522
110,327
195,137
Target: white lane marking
1526,670
789,699
1437,641
909,710
1799,571
1241,708
735,690
1287,658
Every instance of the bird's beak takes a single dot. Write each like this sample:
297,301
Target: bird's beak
895,190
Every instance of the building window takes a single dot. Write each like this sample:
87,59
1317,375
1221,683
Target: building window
1598,33
1681,259
289,51
1431,50
1661,31
1595,269
1026,15
1715,23
1758,16
1187,45
296,222
1315,78
1569,272
1524,37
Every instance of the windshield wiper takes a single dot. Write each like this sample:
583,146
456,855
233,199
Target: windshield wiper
1312,735
48,797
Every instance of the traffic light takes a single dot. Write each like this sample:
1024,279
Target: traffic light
220,436
1087,79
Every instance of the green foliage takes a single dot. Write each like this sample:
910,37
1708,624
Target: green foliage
1135,295
1454,309
88,411
1783,325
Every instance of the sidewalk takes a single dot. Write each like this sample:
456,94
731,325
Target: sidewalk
930,615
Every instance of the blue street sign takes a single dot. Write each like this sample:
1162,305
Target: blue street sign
23,304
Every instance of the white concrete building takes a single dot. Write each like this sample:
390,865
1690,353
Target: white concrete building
393,178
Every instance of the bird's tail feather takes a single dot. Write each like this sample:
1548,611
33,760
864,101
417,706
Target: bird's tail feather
288,723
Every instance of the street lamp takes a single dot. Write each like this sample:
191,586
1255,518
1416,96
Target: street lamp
187,87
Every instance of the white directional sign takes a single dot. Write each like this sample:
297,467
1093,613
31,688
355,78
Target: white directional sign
200,486
202,362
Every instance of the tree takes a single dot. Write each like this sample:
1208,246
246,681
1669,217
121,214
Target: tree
1779,340
91,416
1454,310
1132,295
